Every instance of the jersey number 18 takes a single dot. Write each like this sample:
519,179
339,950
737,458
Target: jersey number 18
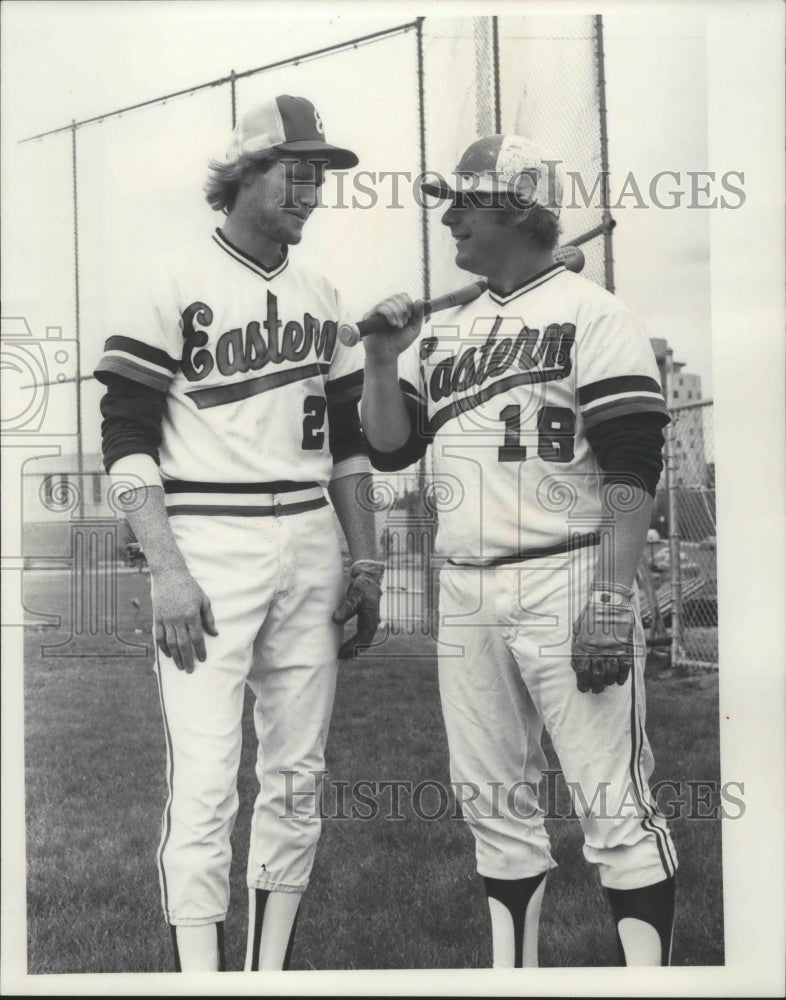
556,428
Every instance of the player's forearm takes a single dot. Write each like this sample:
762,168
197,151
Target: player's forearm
354,515
150,523
629,536
383,414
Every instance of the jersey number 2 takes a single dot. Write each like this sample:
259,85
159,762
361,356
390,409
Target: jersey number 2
313,418
556,428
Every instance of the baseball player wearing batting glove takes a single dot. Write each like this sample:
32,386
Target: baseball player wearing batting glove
362,599
232,407
603,638
541,403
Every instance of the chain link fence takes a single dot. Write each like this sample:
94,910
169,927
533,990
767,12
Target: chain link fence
679,568
125,186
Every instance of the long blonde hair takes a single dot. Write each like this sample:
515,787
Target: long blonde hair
224,179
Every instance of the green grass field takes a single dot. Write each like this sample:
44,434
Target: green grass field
385,893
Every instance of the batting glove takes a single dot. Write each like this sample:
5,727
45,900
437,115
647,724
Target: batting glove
362,599
603,638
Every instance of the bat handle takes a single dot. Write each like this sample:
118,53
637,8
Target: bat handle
351,333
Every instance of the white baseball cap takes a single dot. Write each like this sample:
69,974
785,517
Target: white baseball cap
505,164
291,125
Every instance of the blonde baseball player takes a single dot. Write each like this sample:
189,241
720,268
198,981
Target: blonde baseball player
541,402
232,405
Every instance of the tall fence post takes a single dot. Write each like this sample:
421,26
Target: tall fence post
422,137
608,222
675,580
497,87
78,378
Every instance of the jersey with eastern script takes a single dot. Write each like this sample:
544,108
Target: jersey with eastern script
507,387
249,359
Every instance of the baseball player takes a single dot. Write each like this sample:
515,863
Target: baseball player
542,406
233,407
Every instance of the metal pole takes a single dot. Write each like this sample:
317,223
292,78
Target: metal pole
78,380
422,135
497,98
426,546
233,97
608,222
670,469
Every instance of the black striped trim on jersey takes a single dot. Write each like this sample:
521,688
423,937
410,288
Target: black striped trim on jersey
272,499
461,405
273,486
539,279
137,361
218,395
247,261
575,542
277,510
652,821
345,389
618,397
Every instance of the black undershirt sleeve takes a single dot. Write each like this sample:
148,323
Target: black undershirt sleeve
629,449
413,449
345,436
132,415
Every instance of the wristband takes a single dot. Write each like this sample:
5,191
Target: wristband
374,567
611,595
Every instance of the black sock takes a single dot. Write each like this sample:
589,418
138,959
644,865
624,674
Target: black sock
654,904
514,894
222,959
259,914
261,897
175,949
288,955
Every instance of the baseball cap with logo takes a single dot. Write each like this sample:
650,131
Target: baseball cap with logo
289,124
509,165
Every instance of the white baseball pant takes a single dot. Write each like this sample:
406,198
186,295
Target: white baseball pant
504,670
273,583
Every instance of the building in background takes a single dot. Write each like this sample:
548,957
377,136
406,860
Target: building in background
689,447
685,387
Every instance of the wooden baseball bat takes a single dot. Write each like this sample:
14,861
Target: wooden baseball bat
351,333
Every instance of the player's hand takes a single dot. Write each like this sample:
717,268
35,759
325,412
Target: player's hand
182,616
603,640
362,599
405,318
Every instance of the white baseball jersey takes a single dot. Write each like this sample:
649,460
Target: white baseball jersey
249,366
250,363
510,385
